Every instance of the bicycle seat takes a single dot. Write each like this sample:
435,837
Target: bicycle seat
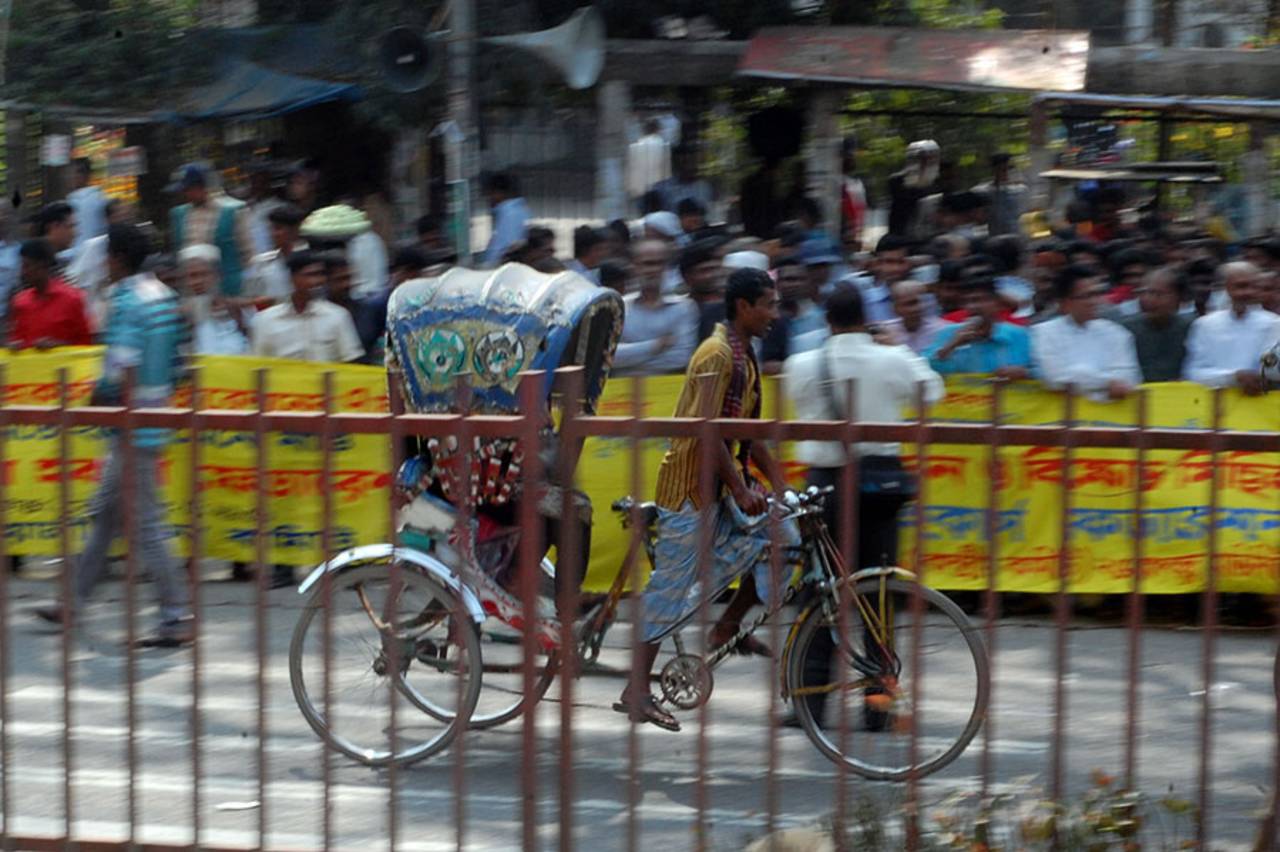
648,511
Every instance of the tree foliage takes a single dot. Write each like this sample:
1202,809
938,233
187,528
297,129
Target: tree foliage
740,18
118,54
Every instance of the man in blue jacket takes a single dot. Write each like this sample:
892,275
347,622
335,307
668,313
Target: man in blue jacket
142,333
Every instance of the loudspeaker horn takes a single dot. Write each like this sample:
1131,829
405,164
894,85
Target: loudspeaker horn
575,48
410,60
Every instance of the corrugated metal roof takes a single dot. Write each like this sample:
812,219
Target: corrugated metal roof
962,60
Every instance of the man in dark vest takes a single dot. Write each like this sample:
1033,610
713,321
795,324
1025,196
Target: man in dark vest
212,218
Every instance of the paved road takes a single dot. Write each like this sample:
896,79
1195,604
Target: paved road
736,787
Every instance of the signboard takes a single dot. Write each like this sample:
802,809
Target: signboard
965,60
55,150
127,162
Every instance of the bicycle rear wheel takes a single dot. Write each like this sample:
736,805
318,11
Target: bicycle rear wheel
503,696
869,673
384,644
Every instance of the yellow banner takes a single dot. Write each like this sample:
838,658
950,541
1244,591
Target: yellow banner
1028,496
33,496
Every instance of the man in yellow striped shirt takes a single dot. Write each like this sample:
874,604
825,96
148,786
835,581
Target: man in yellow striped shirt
723,381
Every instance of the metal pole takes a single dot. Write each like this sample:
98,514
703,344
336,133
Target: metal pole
6,13
461,162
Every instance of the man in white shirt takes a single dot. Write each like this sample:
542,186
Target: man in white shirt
89,203
261,201
1095,356
853,198
1224,348
367,254
269,273
89,271
660,332
885,381
218,325
307,326
648,160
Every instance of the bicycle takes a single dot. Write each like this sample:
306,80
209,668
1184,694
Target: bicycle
875,600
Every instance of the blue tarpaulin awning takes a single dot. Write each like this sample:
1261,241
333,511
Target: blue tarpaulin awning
246,90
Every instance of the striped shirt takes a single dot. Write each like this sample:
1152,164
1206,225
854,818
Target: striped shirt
202,227
143,332
706,384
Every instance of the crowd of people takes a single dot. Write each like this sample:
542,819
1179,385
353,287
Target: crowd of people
1099,304
273,275
246,278
1103,303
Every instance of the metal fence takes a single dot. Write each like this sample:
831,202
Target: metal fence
204,748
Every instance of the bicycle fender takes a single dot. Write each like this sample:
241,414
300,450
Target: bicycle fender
888,570
427,564
864,574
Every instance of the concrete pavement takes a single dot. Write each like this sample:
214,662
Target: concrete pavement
737,787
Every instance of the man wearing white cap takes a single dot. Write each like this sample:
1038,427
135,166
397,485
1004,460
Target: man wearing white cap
664,227
746,260
914,182
660,332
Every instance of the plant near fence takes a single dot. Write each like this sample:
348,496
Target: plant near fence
1105,818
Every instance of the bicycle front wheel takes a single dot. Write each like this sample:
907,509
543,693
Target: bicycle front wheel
853,696
385,642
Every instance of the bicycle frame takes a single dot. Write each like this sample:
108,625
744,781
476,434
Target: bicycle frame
821,548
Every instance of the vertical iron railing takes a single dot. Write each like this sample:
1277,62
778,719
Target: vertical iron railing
1209,617
917,621
128,497
991,595
638,534
326,592
568,597
1134,609
636,429
530,556
6,568
1062,608
262,575
195,513
69,603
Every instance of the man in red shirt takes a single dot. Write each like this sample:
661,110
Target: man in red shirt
47,312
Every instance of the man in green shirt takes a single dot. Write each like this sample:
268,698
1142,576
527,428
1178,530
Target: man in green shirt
1160,331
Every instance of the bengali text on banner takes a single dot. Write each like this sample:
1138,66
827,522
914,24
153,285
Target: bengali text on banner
1026,517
